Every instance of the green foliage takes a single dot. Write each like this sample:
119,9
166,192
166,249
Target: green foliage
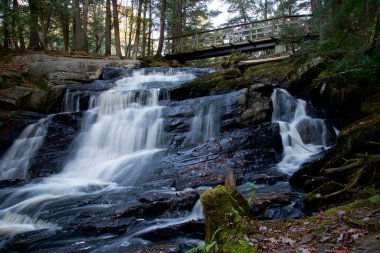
375,199
252,190
208,247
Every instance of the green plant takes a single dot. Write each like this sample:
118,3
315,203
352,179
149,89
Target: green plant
208,247
252,190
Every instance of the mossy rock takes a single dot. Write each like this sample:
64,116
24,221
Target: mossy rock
217,83
226,213
272,71
359,137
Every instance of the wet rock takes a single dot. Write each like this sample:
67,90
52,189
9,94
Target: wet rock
265,178
265,89
22,242
169,248
53,153
194,229
263,201
260,110
12,182
12,124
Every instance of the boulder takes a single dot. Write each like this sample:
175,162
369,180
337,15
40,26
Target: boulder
65,71
25,98
225,212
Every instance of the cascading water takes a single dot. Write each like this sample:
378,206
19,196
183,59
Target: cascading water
121,133
71,101
205,124
16,161
302,136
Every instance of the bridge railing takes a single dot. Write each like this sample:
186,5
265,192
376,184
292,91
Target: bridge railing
234,35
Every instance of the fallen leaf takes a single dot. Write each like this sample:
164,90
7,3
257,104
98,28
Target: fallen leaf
355,237
287,240
302,250
325,239
263,229
307,238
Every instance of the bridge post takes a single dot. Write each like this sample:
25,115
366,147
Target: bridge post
279,48
250,32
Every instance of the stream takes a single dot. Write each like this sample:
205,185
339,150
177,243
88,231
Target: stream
124,163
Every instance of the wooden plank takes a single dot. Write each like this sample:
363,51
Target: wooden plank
254,62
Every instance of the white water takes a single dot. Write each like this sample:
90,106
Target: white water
302,136
121,133
205,124
13,223
16,161
71,101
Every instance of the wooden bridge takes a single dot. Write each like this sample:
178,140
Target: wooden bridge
249,37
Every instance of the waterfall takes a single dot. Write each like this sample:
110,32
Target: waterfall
302,136
16,161
121,133
206,123
71,101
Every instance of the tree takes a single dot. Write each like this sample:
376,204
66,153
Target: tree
116,28
64,17
108,28
132,19
138,30
34,37
162,27
18,26
150,46
144,25
77,29
85,25
6,19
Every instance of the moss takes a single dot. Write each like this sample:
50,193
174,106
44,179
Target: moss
357,137
241,246
218,82
329,187
226,215
274,71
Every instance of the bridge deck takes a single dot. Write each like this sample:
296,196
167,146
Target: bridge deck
253,36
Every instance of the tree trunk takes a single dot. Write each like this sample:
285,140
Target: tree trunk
108,28
265,9
19,28
13,24
162,28
130,30
126,28
77,30
6,19
144,21
138,30
65,22
116,28
85,25
150,49
34,37
45,24
177,24
313,6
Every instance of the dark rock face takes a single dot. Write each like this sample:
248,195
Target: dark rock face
54,152
12,124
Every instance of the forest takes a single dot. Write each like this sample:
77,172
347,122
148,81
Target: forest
124,28
189,126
